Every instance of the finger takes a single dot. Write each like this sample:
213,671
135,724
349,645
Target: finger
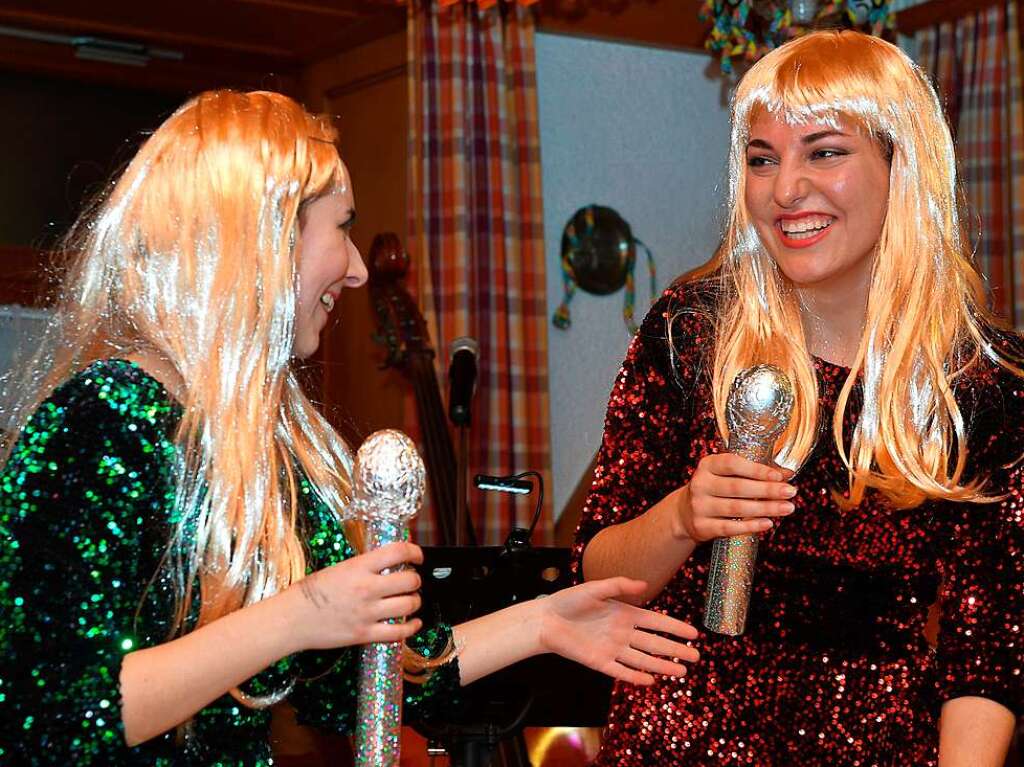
786,473
394,632
392,555
617,670
652,644
650,620
736,487
396,607
398,582
732,465
739,508
650,663
729,528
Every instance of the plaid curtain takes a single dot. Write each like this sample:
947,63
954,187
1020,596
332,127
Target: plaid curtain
476,236
975,63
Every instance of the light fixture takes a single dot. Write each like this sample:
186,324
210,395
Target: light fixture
803,11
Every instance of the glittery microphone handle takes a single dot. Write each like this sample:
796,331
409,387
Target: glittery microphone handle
387,490
379,710
757,412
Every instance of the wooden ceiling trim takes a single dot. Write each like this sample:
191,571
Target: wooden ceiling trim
658,23
79,25
918,17
181,77
310,8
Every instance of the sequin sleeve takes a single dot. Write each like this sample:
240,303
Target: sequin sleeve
981,631
91,463
647,421
325,695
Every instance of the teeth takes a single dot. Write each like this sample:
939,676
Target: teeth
812,224
328,301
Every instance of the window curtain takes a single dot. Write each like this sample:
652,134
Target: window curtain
476,236
975,64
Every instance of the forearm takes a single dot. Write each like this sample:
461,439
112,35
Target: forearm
650,547
499,639
165,685
974,732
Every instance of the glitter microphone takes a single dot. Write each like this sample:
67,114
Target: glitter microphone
387,490
756,413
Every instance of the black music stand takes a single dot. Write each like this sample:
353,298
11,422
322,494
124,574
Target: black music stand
464,583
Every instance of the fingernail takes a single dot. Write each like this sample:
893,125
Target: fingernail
789,491
788,507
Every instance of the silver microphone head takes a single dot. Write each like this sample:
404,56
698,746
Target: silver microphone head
758,410
388,478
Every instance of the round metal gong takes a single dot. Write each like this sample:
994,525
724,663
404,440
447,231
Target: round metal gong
598,249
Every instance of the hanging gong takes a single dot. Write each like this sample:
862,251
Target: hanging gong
597,249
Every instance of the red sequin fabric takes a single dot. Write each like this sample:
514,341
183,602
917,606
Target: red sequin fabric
834,667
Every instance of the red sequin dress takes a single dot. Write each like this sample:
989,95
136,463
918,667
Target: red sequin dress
834,668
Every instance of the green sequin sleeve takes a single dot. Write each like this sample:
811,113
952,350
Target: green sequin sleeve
83,477
325,696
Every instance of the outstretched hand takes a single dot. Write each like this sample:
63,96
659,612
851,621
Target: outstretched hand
594,624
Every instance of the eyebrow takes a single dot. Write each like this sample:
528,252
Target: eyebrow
810,138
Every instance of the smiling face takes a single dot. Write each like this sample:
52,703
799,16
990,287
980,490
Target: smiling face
327,261
817,195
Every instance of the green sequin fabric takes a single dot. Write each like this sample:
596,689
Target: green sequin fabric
86,501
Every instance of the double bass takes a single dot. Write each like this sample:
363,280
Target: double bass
403,333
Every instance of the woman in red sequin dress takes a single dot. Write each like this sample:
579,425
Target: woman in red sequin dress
845,263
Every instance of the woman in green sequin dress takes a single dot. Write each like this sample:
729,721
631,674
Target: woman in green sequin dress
173,561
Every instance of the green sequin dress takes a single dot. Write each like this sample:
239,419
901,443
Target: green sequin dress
85,506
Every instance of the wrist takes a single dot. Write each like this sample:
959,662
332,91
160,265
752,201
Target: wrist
679,501
289,613
535,622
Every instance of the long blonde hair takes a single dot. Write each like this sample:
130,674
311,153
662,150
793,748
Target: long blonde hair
927,308
192,257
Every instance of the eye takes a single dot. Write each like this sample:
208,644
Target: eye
759,161
827,154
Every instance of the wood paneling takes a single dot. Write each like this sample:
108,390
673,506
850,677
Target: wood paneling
365,92
663,23
25,275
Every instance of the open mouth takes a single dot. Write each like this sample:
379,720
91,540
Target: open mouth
327,301
804,231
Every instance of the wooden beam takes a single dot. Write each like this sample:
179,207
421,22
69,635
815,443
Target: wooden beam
194,73
658,23
918,17
117,29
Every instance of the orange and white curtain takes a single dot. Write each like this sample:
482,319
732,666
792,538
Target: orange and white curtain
975,63
476,235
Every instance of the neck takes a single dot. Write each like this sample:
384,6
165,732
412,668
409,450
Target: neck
162,370
833,316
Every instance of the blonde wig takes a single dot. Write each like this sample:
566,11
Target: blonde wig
926,315
192,257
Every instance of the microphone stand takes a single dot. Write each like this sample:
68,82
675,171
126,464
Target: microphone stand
461,484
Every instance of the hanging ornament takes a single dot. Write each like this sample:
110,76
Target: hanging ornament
599,257
748,29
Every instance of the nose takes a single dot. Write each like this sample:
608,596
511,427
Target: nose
357,273
791,184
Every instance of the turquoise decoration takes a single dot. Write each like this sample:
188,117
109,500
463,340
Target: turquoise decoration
736,33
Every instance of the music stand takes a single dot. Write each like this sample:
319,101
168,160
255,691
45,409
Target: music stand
463,583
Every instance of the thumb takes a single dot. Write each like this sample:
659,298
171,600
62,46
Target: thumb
622,588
